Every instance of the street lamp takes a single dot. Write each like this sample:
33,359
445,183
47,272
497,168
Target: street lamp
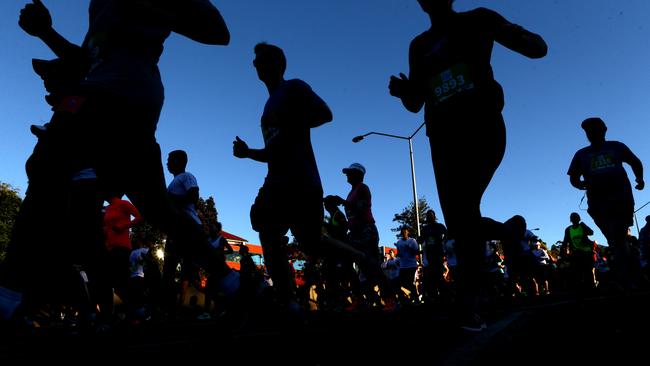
408,138
635,220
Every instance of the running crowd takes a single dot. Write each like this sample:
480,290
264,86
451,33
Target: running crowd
109,89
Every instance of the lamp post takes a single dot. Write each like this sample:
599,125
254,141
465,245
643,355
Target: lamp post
408,138
638,231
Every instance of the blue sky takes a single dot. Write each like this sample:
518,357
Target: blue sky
599,51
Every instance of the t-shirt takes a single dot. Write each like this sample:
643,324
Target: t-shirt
286,125
136,260
433,234
179,186
602,169
406,251
391,268
125,49
358,207
117,221
579,238
541,256
454,62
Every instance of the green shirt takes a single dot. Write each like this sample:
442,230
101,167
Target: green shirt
579,239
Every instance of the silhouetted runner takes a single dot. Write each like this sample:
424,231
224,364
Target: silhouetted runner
432,238
451,76
118,103
183,192
364,237
291,197
581,252
598,169
117,225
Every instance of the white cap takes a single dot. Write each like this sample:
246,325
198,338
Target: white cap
354,166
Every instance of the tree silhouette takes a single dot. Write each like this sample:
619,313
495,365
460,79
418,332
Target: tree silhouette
207,212
407,216
205,209
9,204
146,232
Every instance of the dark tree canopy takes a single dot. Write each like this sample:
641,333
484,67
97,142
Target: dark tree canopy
144,231
207,212
407,216
9,204
205,209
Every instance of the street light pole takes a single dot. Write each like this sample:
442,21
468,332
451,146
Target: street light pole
408,138
415,194
638,231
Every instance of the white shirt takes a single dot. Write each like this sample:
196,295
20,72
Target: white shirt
136,260
179,186
406,252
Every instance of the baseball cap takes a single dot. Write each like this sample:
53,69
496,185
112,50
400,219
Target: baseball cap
354,166
593,123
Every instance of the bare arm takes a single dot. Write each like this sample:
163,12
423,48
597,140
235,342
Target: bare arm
406,88
36,21
518,39
637,169
241,150
411,100
258,155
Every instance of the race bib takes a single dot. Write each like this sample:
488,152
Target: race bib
450,82
602,161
